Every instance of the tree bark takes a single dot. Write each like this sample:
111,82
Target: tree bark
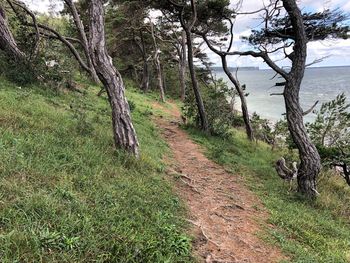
310,160
145,70
82,36
195,86
7,41
240,91
182,66
157,64
123,130
310,165
145,76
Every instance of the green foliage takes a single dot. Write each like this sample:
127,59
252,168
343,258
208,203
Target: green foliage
331,127
67,197
275,134
318,26
219,112
262,128
331,133
314,232
20,73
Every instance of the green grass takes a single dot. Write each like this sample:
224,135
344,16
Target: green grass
317,231
66,195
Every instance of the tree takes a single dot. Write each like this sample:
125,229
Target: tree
123,130
82,36
157,63
187,16
211,20
7,41
331,134
295,30
176,37
128,38
21,11
145,58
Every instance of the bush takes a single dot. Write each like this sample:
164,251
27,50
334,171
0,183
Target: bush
20,73
221,116
331,134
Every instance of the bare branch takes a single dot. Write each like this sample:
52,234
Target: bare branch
318,60
31,14
311,109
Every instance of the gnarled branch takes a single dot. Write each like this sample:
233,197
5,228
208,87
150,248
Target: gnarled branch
311,109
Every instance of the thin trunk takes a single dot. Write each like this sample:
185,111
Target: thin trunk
7,41
182,66
157,64
197,94
159,78
346,173
240,91
310,161
145,77
82,36
163,78
145,71
187,27
123,130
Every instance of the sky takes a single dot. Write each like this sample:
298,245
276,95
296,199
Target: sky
337,50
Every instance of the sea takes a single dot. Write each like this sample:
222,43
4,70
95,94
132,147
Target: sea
319,84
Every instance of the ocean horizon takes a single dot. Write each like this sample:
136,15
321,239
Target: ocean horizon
319,84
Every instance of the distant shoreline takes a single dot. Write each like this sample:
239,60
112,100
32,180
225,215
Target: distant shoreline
220,69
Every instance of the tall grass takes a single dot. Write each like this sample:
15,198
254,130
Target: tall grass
66,195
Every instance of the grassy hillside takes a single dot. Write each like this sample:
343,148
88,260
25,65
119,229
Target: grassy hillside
67,196
317,232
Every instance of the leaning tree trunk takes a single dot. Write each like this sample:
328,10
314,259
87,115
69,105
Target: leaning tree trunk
240,91
7,41
195,86
182,66
123,130
310,161
82,36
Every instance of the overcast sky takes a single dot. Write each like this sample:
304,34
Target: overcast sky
338,50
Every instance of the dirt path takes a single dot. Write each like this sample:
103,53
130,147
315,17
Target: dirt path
223,212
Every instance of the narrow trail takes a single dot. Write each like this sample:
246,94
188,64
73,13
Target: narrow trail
225,215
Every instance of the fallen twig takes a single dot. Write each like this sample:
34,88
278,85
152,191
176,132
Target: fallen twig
193,188
224,217
234,206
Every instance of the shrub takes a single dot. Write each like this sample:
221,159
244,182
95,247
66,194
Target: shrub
221,116
20,73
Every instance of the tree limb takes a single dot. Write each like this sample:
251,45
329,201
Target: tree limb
35,23
311,109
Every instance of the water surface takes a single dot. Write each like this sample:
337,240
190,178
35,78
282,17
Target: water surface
321,84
